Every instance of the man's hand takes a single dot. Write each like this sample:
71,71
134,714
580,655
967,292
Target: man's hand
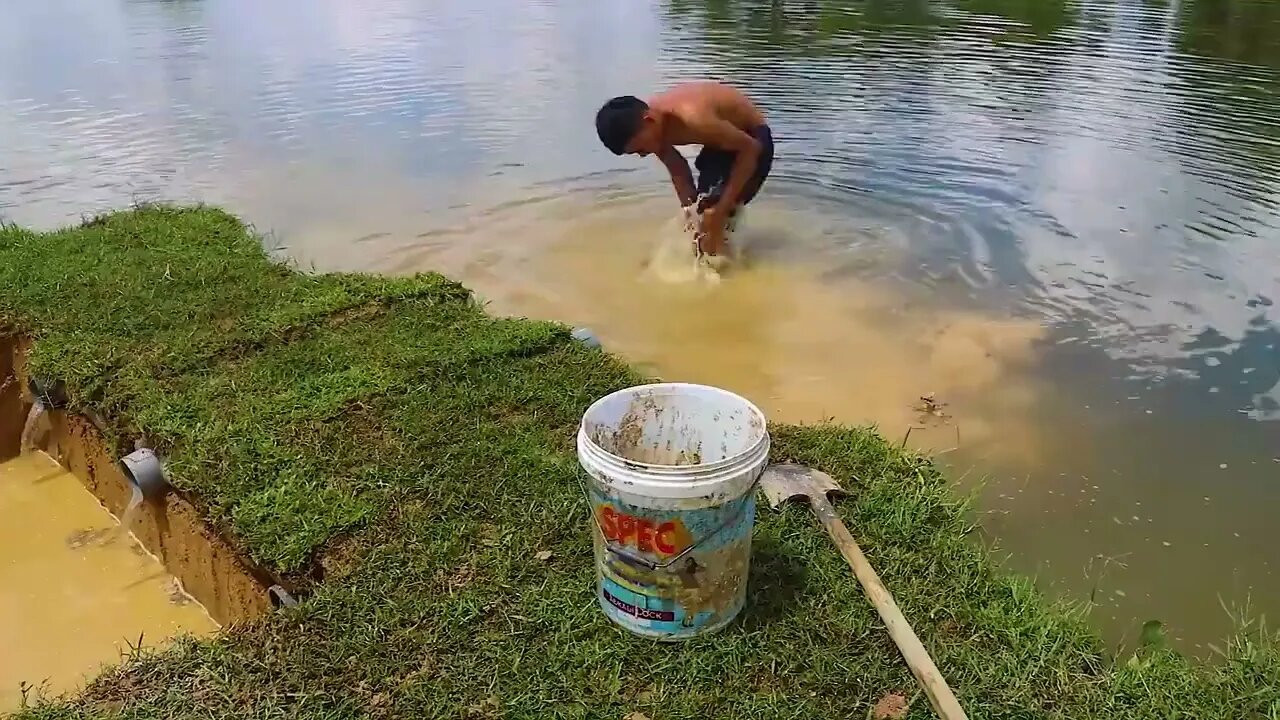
691,222
718,133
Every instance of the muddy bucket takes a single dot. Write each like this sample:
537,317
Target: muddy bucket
672,469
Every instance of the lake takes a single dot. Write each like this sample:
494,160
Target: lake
1039,238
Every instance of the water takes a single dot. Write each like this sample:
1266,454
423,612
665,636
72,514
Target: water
38,422
71,602
121,532
32,425
130,510
1057,220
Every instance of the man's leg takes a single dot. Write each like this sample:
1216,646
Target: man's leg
713,172
764,164
713,167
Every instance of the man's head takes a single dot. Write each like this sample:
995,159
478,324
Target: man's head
626,125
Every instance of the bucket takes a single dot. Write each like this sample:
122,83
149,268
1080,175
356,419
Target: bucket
672,470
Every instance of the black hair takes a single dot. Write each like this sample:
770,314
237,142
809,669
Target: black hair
619,120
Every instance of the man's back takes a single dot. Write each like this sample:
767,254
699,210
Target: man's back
693,102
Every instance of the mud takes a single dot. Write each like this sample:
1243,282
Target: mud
170,528
13,410
707,581
658,428
628,441
720,582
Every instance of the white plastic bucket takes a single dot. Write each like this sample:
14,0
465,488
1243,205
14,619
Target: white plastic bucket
672,471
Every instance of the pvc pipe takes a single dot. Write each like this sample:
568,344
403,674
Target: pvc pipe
145,472
280,598
52,394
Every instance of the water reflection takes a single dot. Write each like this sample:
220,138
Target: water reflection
1238,30
1061,217
1029,19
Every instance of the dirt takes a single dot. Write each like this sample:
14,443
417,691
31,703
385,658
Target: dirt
177,595
767,335
892,706
720,580
70,607
457,578
930,410
89,536
12,407
628,440
704,581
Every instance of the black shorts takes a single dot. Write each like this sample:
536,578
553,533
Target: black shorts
714,166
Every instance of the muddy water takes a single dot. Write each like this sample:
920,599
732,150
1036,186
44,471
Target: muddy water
1059,217
77,592
804,345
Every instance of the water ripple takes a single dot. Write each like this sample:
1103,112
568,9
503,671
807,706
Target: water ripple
1012,144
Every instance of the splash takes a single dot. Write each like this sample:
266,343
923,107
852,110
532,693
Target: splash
675,259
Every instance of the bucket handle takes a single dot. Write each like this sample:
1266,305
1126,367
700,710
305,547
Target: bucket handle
635,559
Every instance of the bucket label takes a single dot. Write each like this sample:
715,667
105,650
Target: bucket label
664,539
701,590
638,612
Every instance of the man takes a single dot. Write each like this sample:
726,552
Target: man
737,147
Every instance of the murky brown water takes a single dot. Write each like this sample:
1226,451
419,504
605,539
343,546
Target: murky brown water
806,347
1060,218
75,590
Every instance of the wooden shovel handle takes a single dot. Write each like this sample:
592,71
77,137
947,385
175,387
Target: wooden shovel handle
935,687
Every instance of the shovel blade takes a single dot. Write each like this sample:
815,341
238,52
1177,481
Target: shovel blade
790,481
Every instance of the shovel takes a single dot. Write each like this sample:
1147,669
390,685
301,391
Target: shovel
785,482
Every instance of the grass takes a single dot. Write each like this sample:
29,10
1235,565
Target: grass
386,441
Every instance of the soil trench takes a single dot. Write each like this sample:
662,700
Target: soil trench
79,559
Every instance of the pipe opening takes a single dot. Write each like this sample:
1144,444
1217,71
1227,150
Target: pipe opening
53,394
280,598
145,472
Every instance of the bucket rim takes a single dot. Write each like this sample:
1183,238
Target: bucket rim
663,469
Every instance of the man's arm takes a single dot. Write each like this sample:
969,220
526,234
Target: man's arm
681,175
724,135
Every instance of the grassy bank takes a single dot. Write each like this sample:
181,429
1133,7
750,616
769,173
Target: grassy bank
407,457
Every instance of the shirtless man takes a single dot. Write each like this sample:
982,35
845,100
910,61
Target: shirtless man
737,147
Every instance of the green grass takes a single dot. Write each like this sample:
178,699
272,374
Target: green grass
389,437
